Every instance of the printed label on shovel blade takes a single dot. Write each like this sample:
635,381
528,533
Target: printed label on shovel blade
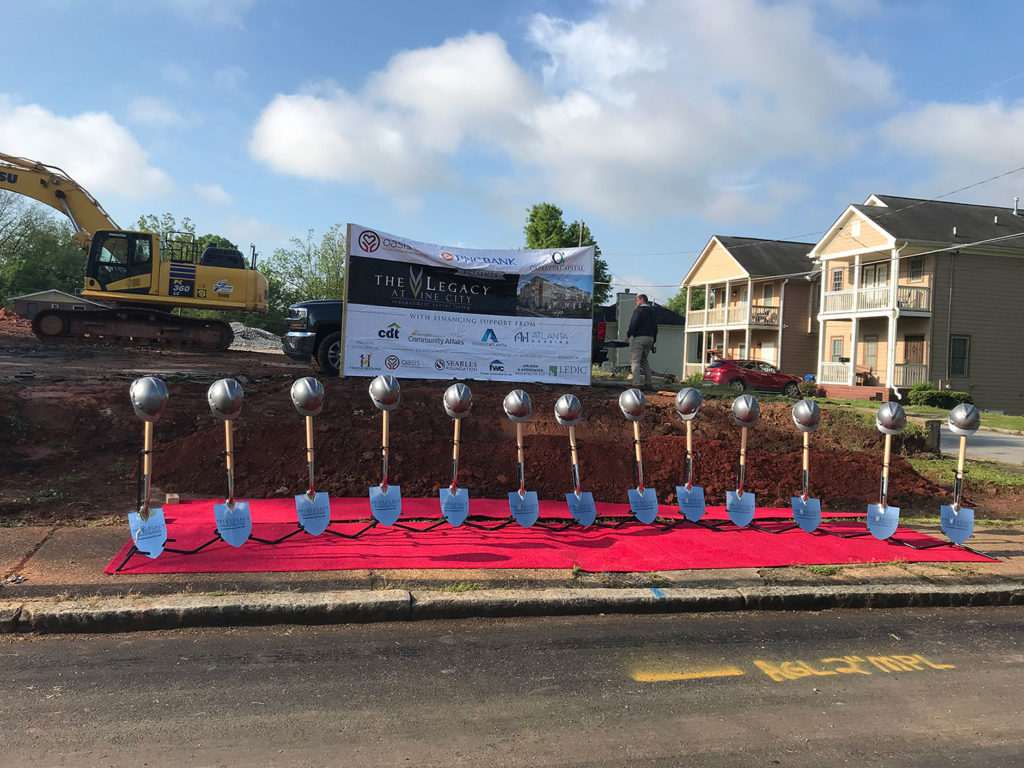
386,507
455,506
883,522
314,516
582,507
958,526
691,502
644,505
740,508
234,525
149,536
525,509
806,513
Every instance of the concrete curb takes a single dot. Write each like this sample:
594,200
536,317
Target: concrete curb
357,606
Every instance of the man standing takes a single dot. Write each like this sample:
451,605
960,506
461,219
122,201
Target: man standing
641,336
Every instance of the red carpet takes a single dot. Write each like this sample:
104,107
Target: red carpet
632,548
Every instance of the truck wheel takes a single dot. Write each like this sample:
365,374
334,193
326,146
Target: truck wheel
328,354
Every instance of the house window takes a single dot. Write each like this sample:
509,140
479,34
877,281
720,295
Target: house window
837,349
959,351
769,293
855,228
837,280
875,276
871,351
916,269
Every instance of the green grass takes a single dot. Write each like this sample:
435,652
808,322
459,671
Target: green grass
823,570
976,472
991,420
461,586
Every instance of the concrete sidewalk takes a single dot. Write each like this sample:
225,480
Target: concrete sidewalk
53,581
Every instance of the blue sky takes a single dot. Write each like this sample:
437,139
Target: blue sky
659,123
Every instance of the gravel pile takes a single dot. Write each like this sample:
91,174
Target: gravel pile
254,338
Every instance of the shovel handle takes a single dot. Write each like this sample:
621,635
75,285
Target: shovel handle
310,453
575,460
229,453
384,450
743,461
147,470
883,492
806,479
520,458
455,454
958,484
689,455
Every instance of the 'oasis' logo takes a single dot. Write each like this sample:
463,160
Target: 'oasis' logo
10,178
369,240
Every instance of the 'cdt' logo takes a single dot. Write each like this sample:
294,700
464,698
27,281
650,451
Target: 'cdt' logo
392,362
391,332
490,336
558,257
369,240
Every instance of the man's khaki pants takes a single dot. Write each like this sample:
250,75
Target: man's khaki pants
639,350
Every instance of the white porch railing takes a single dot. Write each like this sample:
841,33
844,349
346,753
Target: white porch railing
754,314
738,315
909,374
764,314
918,298
835,373
695,318
874,298
838,301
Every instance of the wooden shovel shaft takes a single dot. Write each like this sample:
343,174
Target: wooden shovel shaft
384,450
689,454
958,483
310,453
639,457
883,492
575,459
520,458
805,480
743,460
229,445
147,468
455,454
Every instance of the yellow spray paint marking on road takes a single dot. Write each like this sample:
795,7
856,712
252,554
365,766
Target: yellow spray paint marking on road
662,677
797,669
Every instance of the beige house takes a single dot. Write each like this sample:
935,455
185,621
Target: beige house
920,290
31,303
760,298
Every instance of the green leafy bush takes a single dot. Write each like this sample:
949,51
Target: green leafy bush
694,379
810,389
926,394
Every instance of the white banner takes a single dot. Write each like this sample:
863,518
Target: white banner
439,312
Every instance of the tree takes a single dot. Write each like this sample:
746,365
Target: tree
307,269
545,228
38,250
678,302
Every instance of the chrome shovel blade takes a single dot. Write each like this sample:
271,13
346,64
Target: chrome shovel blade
455,506
882,522
582,507
958,526
314,515
740,508
691,502
525,508
149,536
234,524
644,504
806,513
386,506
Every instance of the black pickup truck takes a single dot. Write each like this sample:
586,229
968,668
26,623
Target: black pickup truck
314,333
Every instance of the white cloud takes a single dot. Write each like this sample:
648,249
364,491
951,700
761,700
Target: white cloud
149,110
92,147
266,237
212,194
964,143
641,110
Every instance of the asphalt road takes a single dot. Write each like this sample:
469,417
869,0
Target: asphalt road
985,446
902,688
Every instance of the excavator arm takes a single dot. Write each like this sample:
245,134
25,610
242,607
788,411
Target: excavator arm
49,184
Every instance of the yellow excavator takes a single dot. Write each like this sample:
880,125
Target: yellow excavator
138,276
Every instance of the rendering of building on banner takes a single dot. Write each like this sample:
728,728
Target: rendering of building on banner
439,312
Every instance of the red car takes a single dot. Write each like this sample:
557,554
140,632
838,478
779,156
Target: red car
752,374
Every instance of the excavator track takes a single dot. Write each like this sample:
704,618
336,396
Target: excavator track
134,326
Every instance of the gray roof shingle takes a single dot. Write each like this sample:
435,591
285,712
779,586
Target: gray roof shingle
764,258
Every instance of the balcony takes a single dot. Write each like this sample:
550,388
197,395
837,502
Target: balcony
835,373
908,298
756,314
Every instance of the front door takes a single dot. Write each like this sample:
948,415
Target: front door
913,350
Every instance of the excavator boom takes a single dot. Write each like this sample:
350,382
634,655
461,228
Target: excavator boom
49,184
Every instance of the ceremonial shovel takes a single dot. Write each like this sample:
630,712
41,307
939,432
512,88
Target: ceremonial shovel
806,511
385,502
568,413
957,521
458,401
643,501
739,503
883,519
523,503
147,526
234,521
313,509
690,497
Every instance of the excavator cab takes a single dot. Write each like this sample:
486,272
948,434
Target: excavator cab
121,262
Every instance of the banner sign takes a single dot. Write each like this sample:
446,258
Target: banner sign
441,312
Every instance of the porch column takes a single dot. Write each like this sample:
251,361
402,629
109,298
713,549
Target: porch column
707,303
821,345
778,343
686,332
746,349
704,353
852,376
856,282
750,301
728,298
890,353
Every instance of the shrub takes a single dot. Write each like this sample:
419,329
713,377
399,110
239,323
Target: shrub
926,394
694,380
809,389
919,393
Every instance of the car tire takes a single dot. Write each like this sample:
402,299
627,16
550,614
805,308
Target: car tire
792,389
328,354
738,385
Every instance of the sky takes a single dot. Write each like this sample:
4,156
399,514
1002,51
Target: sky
660,123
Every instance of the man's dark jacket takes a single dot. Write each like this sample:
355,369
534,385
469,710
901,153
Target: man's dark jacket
643,323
